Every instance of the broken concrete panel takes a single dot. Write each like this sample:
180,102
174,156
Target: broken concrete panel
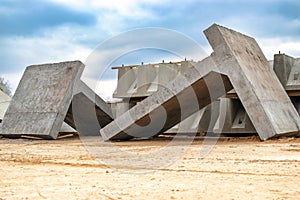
41,100
257,86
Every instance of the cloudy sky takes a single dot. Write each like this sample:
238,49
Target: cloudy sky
44,31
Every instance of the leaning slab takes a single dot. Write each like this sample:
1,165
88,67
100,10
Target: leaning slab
235,55
170,105
87,113
5,100
255,83
43,99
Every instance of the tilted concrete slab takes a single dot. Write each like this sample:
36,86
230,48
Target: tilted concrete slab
43,99
256,84
233,116
235,55
168,106
87,113
202,121
4,103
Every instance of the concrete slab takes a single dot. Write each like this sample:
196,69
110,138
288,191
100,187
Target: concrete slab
44,99
257,86
235,55
233,114
41,100
87,113
168,106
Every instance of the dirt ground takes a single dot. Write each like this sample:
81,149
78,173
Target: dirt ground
87,168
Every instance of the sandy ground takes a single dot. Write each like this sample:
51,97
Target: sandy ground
74,168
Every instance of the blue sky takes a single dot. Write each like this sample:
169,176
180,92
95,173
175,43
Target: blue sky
42,31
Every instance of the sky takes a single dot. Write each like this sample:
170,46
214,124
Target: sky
49,31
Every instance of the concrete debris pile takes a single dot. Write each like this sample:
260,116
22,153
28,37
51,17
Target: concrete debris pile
232,91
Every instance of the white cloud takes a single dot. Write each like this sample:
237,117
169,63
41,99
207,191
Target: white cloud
125,8
104,88
50,47
271,46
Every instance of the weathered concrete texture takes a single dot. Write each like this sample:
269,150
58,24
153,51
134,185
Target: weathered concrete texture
232,111
168,106
150,79
87,113
235,55
4,103
44,99
257,86
41,100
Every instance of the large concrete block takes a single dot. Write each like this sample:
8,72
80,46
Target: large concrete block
235,55
287,69
233,115
43,98
4,103
87,113
257,86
